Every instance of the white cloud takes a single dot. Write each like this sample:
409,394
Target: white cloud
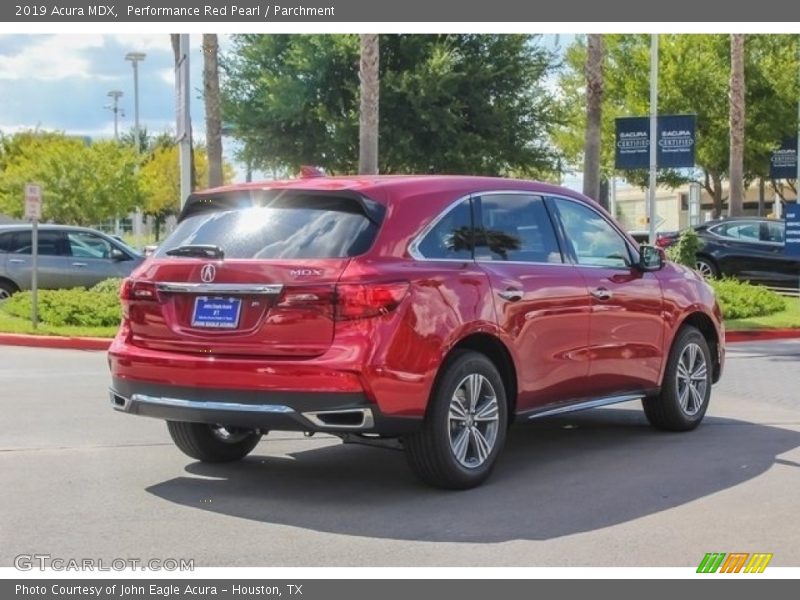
52,58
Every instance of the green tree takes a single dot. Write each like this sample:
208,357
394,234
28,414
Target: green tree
83,184
449,103
159,180
693,78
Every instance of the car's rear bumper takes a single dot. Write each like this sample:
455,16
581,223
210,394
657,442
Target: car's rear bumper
276,411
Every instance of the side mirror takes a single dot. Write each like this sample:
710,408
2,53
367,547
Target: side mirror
118,255
651,258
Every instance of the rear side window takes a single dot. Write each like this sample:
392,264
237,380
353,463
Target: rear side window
451,237
306,227
51,243
5,241
517,228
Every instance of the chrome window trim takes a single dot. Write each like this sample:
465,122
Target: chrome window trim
524,262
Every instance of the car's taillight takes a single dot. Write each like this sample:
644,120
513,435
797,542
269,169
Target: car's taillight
665,241
361,301
347,302
317,298
133,290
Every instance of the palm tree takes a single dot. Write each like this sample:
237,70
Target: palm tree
736,167
594,113
213,111
368,112
175,40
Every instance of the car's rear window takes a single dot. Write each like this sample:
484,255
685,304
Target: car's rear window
311,227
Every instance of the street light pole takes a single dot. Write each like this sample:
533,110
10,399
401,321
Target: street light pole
115,95
135,58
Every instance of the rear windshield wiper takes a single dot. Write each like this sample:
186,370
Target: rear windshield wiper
198,250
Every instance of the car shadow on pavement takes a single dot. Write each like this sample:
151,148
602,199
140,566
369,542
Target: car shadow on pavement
556,477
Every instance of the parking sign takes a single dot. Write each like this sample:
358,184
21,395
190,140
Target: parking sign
33,202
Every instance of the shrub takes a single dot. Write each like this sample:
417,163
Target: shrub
740,300
96,307
110,286
684,250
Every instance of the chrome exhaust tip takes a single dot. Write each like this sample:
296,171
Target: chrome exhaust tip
118,402
348,419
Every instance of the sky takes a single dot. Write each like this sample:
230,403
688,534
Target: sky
61,82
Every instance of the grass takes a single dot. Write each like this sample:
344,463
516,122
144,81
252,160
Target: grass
789,318
12,324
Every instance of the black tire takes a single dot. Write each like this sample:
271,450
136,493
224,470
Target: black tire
431,453
706,267
207,443
667,411
6,289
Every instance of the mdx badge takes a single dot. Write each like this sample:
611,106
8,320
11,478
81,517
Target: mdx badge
305,272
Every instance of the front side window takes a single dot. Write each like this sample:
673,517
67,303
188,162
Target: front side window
516,228
451,237
87,245
746,231
594,240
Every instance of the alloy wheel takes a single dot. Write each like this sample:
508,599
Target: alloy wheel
705,270
692,379
474,420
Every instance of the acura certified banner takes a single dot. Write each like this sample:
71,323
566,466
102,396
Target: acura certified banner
676,142
783,162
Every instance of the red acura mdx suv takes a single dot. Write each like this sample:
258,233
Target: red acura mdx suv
426,312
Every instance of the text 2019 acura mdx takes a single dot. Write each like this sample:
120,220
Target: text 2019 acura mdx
430,310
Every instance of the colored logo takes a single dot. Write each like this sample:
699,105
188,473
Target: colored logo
735,562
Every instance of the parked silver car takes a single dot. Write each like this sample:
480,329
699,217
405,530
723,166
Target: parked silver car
68,257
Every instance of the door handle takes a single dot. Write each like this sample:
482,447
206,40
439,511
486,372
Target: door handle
602,294
79,264
511,294
16,261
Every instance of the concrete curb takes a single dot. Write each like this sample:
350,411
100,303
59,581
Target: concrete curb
54,341
760,335
91,343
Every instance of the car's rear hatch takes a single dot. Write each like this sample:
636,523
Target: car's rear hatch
250,274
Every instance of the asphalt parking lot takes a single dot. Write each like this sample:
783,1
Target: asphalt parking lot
598,488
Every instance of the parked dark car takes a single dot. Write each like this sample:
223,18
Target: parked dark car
68,257
747,248
418,312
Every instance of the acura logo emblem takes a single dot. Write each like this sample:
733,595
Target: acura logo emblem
207,273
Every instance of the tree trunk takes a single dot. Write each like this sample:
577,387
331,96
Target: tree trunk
594,113
213,110
368,112
736,168
713,185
